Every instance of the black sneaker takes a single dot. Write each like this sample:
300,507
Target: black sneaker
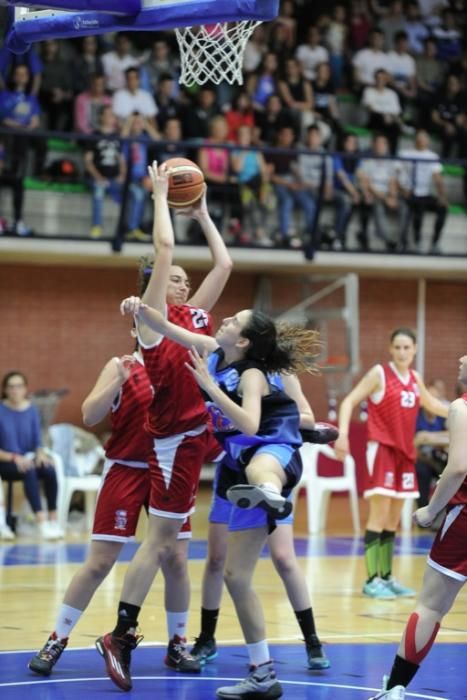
179,658
117,656
45,659
204,649
317,659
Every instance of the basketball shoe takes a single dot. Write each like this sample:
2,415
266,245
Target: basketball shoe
117,656
398,588
179,658
261,496
204,649
260,684
377,588
317,659
45,659
396,693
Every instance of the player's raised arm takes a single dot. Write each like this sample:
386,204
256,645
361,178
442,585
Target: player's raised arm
99,401
210,289
163,239
158,323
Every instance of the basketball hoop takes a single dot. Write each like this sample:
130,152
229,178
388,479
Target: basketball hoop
212,53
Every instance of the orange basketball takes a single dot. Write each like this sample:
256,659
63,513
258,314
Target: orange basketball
186,182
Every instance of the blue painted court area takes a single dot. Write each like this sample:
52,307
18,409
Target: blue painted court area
318,546
356,672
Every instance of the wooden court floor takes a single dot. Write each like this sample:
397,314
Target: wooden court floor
34,577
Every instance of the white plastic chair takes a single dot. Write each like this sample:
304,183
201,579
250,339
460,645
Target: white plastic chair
318,488
75,466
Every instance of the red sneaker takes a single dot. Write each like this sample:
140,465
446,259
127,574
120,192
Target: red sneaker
117,656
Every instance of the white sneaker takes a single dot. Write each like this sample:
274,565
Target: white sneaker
396,693
6,533
48,531
55,528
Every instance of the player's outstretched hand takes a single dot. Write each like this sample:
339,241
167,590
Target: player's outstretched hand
159,179
423,517
131,306
199,369
196,210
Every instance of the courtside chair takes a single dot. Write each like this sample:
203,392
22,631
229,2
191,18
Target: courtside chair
76,471
319,488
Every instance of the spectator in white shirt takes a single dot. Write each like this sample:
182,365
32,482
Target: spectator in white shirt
421,183
378,179
116,62
367,61
384,108
132,98
401,67
417,31
312,53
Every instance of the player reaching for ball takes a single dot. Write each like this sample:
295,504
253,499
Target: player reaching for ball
177,422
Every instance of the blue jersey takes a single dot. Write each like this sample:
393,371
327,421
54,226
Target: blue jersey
280,417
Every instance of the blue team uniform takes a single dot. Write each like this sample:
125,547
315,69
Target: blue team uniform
278,434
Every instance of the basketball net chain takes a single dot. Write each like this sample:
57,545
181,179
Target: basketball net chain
213,52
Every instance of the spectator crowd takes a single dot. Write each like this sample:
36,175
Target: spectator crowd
276,151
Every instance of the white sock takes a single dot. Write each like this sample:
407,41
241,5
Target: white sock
258,653
270,486
66,620
176,623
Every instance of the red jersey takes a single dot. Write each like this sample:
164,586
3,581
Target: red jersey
129,441
460,498
392,417
177,405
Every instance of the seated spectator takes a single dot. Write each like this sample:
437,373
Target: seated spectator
417,31
240,114
132,99
271,121
286,19
392,22
312,53
359,25
264,82
252,173
196,118
347,194
429,77
448,105
255,50
448,37
86,63
367,62
168,106
422,185
336,40
9,178
160,62
384,108
22,456
401,68
214,161
9,61
296,93
314,171
116,62
378,180
19,109
136,154
55,94
88,105
105,166
278,43
289,190
172,133
325,104
431,441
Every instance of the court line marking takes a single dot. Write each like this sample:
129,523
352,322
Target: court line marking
217,679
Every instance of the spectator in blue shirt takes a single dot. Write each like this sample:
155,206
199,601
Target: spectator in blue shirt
9,61
22,457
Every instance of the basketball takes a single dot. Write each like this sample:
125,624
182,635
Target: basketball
186,182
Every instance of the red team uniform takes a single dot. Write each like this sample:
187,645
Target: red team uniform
392,416
125,482
177,419
449,550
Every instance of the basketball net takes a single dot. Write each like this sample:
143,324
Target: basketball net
213,53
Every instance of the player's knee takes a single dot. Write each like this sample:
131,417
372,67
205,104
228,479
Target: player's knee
99,568
216,562
175,564
284,564
237,583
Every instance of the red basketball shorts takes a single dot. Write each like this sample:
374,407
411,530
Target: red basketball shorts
175,467
449,550
390,472
123,493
